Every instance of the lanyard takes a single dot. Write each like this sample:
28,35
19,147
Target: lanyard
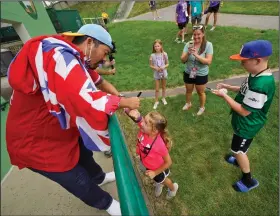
146,150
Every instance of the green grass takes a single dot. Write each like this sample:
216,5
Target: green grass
5,160
94,9
134,41
204,178
143,7
252,8
234,7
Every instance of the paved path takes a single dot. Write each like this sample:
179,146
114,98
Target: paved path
28,193
237,80
250,21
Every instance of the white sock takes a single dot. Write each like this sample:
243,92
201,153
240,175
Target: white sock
114,209
109,177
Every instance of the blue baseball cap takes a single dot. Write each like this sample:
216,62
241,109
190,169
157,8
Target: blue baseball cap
253,49
94,31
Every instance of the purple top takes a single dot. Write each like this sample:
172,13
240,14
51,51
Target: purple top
180,10
214,3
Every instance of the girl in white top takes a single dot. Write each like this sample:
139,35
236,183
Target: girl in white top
159,63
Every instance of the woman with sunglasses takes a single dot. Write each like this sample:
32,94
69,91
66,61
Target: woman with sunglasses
197,55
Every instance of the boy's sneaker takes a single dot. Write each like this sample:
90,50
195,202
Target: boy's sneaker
212,29
155,105
164,101
187,106
177,40
158,189
183,41
200,111
170,194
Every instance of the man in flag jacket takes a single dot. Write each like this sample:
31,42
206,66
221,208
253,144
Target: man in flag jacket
55,101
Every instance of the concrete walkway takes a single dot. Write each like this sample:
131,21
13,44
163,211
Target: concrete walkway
239,20
28,193
237,80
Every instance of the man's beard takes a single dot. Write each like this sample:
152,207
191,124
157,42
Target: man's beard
94,66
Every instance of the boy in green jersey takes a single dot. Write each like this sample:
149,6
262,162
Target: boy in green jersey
250,106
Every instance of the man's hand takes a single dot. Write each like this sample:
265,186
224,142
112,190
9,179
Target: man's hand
112,71
112,62
150,173
131,103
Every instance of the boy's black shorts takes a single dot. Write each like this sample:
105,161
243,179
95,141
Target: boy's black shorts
240,144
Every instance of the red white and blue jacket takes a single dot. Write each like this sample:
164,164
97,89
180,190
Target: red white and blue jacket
54,101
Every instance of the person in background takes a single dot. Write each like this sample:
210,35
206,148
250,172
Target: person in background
188,15
197,11
181,20
197,55
197,8
159,63
213,7
105,17
153,7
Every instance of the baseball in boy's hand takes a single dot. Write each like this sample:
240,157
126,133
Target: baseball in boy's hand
220,92
224,90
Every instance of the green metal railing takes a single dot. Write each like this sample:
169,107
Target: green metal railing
130,194
5,160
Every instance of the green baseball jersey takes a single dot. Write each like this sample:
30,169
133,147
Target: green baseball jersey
255,95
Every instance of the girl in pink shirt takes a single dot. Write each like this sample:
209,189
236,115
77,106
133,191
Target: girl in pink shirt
153,144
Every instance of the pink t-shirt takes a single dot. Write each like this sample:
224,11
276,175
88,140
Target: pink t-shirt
154,159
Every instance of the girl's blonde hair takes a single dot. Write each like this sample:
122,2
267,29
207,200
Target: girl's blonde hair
159,42
159,123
